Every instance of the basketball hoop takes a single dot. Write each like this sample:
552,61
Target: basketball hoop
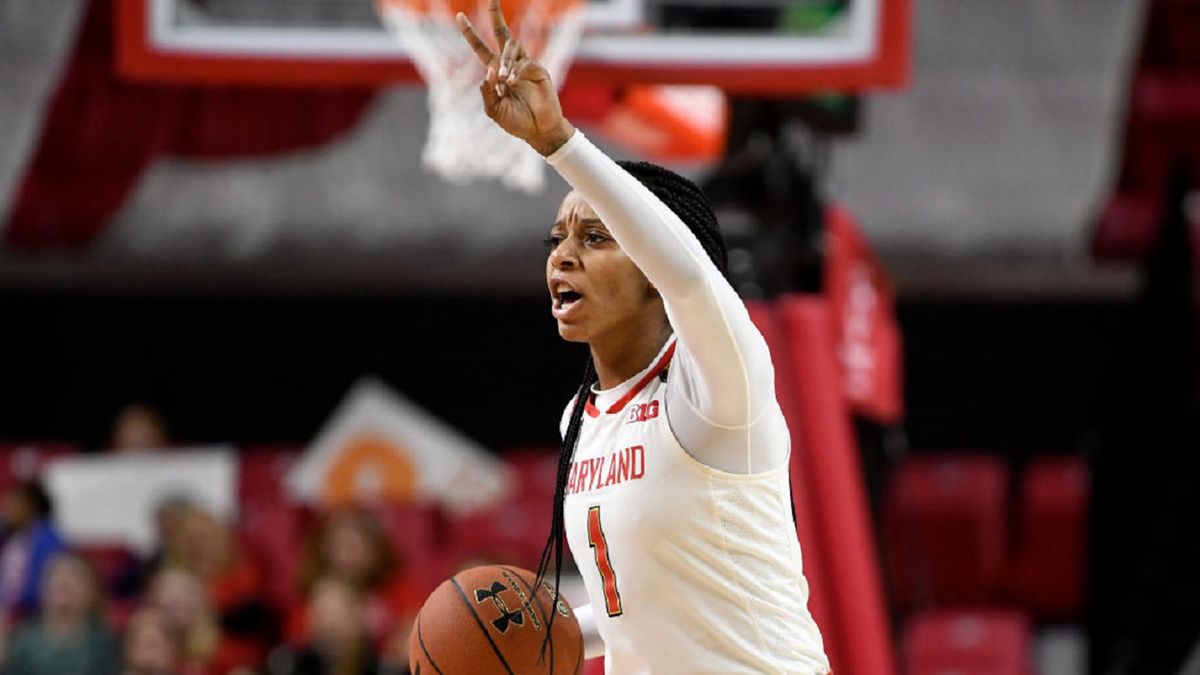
463,143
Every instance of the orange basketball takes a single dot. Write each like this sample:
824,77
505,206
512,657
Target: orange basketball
488,620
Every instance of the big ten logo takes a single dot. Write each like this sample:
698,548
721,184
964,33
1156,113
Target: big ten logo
642,412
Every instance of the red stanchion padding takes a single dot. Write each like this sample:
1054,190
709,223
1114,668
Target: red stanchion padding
1050,571
981,642
839,494
819,585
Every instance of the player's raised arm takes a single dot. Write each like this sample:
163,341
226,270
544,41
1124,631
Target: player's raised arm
731,374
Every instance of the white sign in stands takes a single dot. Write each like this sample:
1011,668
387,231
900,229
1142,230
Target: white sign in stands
111,499
378,445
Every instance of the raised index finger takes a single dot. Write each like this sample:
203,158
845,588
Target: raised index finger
477,44
499,25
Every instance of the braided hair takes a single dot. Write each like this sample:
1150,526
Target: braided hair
689,202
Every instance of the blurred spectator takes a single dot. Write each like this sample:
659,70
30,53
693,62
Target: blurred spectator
138,428
232,582
170,516
151,647
31,541
205,649
339,642
70,636
350,546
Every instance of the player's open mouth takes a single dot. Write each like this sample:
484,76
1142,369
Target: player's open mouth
565,300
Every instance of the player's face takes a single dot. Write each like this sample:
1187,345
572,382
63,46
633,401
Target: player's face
596,292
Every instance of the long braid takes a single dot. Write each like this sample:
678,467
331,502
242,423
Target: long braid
555,544
689,202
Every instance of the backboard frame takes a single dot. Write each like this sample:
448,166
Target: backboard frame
150,49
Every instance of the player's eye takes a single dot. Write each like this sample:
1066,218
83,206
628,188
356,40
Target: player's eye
595,238
553,241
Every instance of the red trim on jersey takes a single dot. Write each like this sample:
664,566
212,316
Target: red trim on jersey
589,408
641,384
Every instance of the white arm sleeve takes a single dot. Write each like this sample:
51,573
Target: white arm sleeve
722,378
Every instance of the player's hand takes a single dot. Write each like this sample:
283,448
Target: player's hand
517,92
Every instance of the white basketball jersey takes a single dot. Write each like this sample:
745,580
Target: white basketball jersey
690,569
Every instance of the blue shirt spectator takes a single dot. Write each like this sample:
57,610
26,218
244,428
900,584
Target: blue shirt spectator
30,542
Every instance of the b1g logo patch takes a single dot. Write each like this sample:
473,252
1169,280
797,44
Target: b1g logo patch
642,412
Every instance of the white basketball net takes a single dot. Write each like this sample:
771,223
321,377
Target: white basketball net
464,144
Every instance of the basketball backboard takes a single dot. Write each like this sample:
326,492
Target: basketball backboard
776,47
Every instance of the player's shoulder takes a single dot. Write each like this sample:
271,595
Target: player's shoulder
566,416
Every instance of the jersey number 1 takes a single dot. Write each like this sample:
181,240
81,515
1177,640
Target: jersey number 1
612,597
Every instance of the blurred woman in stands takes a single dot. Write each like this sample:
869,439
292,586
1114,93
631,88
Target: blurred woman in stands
351,547
170,516
139,428
339,643
206,649
151,647
30,542
232,581
71,634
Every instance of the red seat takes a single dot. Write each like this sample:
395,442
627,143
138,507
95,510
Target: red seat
958,642
536,470
262,471
1166,98
946,529
1128,226
113,563
21,462
1049,569
273,532
511,534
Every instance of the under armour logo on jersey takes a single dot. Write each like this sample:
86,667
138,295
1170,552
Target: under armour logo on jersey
642,412
507,617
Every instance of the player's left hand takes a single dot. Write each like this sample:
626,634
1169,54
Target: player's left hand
517,93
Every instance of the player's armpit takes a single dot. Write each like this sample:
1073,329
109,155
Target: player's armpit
593,645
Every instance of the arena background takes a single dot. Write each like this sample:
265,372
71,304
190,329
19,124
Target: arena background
238,258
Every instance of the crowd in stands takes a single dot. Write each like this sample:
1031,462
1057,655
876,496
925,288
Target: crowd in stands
201,602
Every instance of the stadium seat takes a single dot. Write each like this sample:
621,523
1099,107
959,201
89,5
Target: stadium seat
945,518
273,532
262,471
416,532
1128,226
513,533
537,472
968,642
1167,98
25,461
113,563
1049,569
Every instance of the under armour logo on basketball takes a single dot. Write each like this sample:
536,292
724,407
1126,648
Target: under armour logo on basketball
507,617
493,593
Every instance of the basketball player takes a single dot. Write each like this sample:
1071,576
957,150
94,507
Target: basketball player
673,483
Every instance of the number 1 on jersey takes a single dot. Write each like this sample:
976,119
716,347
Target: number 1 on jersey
612,597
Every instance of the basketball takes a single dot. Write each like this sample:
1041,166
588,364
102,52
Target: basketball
488,620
